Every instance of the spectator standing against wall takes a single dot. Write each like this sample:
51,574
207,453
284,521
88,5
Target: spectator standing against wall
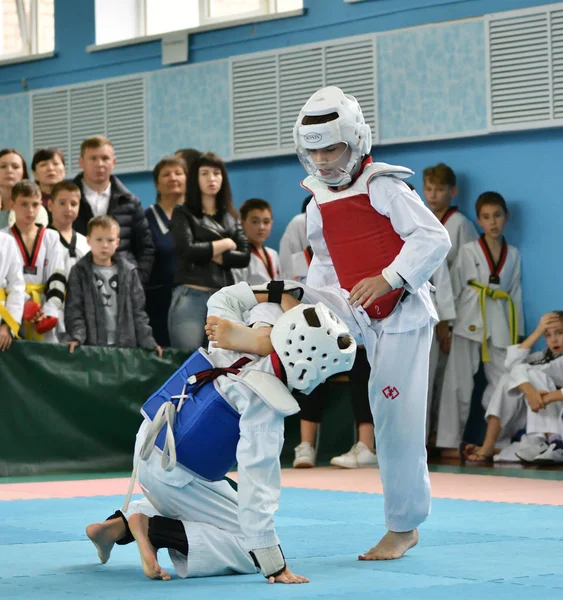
294,241
209,243
13,169
43,265
264,265
48,166
105,303
169,177
105,194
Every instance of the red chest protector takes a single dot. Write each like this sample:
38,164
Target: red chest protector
361,241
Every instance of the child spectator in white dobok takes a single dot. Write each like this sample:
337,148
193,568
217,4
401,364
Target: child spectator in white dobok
239,398
264,265
294,246
105,304
440,189
43,265
12,290
373,238
63,205
486,285
527,397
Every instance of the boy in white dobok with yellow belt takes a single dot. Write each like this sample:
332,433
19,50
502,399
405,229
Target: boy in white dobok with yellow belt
486,284
43,265
12,291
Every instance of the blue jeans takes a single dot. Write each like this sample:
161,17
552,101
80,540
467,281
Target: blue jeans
186,318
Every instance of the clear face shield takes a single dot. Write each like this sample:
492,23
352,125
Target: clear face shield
324,154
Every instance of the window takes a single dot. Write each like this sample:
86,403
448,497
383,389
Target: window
128,19
27,27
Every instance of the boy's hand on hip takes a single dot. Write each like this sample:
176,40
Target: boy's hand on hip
158,351
368,290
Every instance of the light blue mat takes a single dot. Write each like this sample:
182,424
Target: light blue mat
468,550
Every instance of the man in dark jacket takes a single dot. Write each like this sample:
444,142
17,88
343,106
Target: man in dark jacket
104,194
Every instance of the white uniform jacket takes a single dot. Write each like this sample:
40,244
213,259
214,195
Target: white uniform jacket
293,240
473,264
258,271
11,277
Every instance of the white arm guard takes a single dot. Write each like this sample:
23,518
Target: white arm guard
270,560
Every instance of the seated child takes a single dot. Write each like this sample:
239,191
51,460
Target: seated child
105,304
509,406
264,265
43,265
12,291
241,389
489,317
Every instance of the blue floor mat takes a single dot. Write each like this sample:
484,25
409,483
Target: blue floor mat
468,550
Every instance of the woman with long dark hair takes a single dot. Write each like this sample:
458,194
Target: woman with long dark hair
209,242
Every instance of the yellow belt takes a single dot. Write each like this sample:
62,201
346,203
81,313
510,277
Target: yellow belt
485,291
6,316
34,290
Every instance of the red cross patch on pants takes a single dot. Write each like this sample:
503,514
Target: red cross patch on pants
390,392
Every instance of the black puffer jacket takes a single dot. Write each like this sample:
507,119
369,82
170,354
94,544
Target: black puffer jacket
194,236
135,236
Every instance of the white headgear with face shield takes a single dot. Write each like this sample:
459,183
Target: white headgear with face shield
312,343
349,128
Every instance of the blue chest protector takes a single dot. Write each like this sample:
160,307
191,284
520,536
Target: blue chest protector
205,428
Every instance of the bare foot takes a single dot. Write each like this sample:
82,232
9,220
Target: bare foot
240,338
104,535
139,526
392,545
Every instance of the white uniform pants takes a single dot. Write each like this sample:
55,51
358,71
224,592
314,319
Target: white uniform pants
547,420
437,367
209,513
457,389
509,408
398,391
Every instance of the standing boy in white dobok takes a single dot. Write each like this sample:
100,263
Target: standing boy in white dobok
264,265
373,237
440,189
43,265
243,394
486,284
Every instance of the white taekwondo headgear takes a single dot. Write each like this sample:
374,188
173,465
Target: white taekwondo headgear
350,127
312,343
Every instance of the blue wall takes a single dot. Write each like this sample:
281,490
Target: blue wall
521,166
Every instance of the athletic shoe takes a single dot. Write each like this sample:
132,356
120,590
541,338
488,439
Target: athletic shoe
553,455
305,456
357,457
531,446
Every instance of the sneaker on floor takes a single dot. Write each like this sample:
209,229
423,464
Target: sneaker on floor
552,455
304,456
357,457
531,446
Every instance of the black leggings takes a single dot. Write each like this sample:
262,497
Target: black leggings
163,533
312,405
